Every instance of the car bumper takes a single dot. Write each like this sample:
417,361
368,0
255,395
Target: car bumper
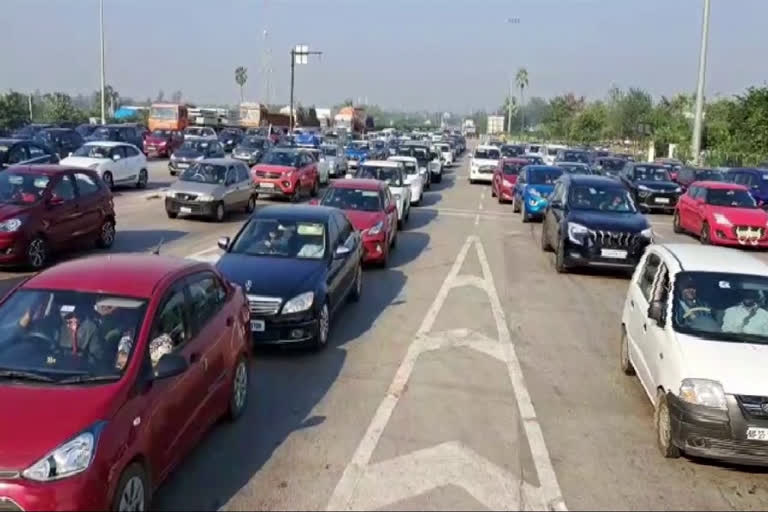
249,159
156,151
705,432
175,167
726,236
657,201
80,492
481,176
506,193
374,249
274,187
189,207
591,254
285,331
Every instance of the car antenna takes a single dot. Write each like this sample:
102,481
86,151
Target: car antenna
156,250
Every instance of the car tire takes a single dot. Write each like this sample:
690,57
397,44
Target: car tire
323,327
143,179
171,215
393,242
109,181
471,181
239,398
106,234
251,205
357,288
296,196
37,253
663,426
515,204
173,173
524,213
704,237
545,245
560,264
133,490
676,223
315,188
220,212
626,364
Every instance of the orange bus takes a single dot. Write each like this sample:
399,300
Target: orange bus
168,116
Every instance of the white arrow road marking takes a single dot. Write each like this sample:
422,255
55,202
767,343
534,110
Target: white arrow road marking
368,486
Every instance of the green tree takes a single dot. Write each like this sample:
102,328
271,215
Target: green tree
588,125
627,111
562,111
521,79
241,77
58,107
14,110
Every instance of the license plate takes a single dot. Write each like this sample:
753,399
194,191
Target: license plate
257,325
182,166
185,209
757,434
266,185
613,253
662,200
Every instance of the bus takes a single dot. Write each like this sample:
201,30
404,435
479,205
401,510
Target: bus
168,116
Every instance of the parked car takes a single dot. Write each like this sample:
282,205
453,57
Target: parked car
651,186
211,188
416,178
533,186
194,150
118,133
115,162
337,163
392,173
609,166
62,141
756,180
50,208
24,152
371,208
162,143
672,165
484,160
574,167
230,137
693,330
297,265
505,177
688,175
114,377
593,221
286,172
200,133
29,131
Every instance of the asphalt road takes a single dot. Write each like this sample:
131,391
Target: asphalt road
470,376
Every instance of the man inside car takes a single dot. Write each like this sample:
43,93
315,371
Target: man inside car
692,312
747,316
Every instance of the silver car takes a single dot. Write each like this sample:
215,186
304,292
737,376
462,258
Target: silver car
211,188
334,155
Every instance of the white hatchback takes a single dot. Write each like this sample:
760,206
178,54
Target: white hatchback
393,173
118,163
415,177
484,161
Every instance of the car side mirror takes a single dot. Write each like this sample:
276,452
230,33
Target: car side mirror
657,313
342,251
223,243
116,157
170,365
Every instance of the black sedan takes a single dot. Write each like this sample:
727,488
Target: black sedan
593,221
297,266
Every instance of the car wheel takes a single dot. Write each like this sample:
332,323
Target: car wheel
37,253
439,178
560,264
626,364
315,188
251,204
357,288
296,196
106,234
173,173
676,223
171,215
220,212
524,211
663,424
323,327
108,180
493,190
143,179
515,205
545,245
133,492
471,181
239,397
704,236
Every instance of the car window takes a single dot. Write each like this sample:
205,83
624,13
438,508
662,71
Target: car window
170,328
345,228
662,286
64,188
648,275
86,185
334,231
130,151
231,178
35,151
117,150
19,153
207,294
242,173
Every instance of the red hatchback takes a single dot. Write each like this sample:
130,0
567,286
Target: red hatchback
113,368
162,143
370,207
505,178
46,208
286,172
721,214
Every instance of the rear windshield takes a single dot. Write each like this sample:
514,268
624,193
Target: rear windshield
543,176
490,153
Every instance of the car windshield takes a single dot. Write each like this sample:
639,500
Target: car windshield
721,306
608,199
104,133
283,158
552,151
420,154
391,175
167,113
612,164
534,149
543,176
18,188
511,169
410,168
64,336
734,198
534,160
648,173
195,145
710,176
229,134
253,142
93,151
329,150
205,173
575,156
360,144
487,153
352,199
574,168
161,133
512,151
282,239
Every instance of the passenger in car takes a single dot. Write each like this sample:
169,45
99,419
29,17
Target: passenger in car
747,316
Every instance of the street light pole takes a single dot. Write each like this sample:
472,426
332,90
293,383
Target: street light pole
510,21
696,142
101,36
299,55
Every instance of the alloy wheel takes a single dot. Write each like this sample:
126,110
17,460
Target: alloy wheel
107,237
323,325
36,253
240,386
132,497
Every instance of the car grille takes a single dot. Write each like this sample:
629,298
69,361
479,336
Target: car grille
8,505
186,197
269,175
748,233
486,170
753,406
612,239
264,306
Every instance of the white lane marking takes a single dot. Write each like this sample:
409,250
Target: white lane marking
367,486
477,219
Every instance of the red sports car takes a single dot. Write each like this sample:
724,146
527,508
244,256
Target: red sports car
286,172
505,177
721,214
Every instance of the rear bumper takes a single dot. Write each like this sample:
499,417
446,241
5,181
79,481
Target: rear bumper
481,176
189,207
175,167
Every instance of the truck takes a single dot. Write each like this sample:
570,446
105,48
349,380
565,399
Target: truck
468,128
169,116
252,115
495,125
350,119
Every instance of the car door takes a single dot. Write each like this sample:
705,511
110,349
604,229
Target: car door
640,293
63,213
335,265
39,155
554,213
232,197
349,265
118,166
698,209
520,184
89,203
656,341
684,207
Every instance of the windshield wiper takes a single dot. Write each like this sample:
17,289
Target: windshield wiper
24,375
89,378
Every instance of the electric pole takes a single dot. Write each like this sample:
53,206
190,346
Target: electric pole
697,122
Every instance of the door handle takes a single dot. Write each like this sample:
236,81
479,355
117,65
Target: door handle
194,357
230,320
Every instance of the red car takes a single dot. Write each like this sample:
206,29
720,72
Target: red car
721,214
370,207
505,177
286,172
162,143
47,208
112,375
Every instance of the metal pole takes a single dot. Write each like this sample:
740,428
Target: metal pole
509,108
29,98
293,69
101,35
696,142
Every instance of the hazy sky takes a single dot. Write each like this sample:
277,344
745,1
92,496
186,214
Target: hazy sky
410,54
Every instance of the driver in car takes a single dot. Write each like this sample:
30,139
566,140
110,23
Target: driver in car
79,335
276,242
747,316
693,313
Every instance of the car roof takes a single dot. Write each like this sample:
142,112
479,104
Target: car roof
359,183
720,185
402,158
648,164
107,143
514,160
295,212
593,180
114,274
486,146
695,257
222,161
382,163
747,169
565,162
47,169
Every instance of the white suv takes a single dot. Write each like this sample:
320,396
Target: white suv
695,331
484,161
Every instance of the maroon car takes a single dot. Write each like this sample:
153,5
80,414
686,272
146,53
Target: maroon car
48,208
112,375
162,143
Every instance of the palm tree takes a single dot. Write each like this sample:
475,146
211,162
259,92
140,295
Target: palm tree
521,79
509,109
241,76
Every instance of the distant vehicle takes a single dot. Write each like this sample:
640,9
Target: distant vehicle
532,159
200,133
379,150
118,133
323,171
756,180
484,160
672,165
168,116
162,143
593,221
392,173
298,266
609,166
572,155
534,185
192,151
50,208
86,129
651,186
25,152
230,137
445,152
29,131
512,150
548,152
688,175
310,139
350,119
357,151
535,150
337,163
505,177
116,163
426,157
62,141
211,188
251,148
417,178
574,167
286,172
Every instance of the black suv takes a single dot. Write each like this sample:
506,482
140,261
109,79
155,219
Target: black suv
651,186
130,133
62,141
593,220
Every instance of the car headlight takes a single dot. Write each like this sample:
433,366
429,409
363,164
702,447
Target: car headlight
647,233
507,183
576,231
679,190
375,229
644,188
721,219
301,302
534,193
70,458
10,225
173,157
704,392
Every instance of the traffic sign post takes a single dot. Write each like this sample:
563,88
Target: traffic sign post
299,55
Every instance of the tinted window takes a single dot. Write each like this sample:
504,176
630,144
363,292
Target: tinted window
543,176
36,151
282,238
731,198
86,185
64,189
390,175
651,173
283,158
511,169
118,150
242,173
608,199
205,173
352,199
19,153
345,228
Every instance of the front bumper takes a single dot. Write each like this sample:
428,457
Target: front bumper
279,330
177,206
739,236
156,151
80,492
591,252
374,249
275,187
481,175
175,166
658,200
249,159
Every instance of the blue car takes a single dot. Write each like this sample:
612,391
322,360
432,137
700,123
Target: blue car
756,180
307,139
358,151
531,194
